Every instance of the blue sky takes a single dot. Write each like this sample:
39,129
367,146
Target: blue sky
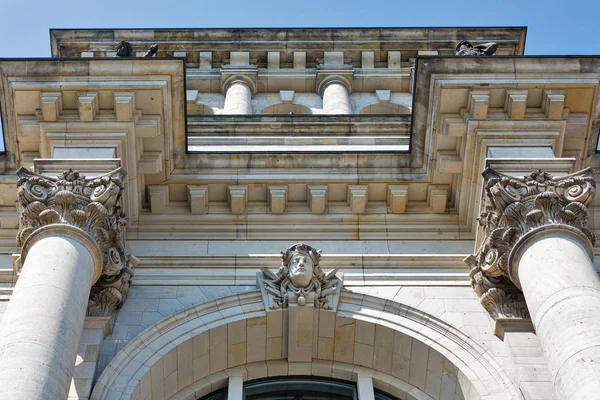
555,26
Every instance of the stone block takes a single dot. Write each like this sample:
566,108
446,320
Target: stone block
239,58
394,58
237,198
335,58
277,198
300,332
438,198
124,105
344,340
52,105
478,103
87,104
553,104
185,366
206,60
357,198
455,127
158,197
397,198
198,198
287,96
150,162
449,162
218,348
515,104
317,198
273,59
367,60
299,60
383,96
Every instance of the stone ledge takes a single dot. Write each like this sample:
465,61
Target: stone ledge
504,325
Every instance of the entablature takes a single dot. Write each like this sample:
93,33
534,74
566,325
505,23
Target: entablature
269,45
425,175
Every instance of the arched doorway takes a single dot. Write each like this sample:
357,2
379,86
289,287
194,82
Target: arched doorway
404,351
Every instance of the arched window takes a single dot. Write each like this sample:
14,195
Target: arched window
199,109
286,109
298,388
387,108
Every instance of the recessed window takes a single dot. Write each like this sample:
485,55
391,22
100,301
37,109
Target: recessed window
298,388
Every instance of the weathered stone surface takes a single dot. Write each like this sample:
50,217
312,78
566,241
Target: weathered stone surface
91,205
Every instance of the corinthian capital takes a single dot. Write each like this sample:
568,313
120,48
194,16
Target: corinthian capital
515,207
91,205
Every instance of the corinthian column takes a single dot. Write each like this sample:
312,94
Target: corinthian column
537,241
70,240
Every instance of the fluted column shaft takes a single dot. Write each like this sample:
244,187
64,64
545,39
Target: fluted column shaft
41,328
335,99
238,98
562,291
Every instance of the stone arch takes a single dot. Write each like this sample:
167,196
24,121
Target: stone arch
286,108
199,109
316,368
234,333
384,108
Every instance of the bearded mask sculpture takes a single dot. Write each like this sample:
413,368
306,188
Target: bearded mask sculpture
300,280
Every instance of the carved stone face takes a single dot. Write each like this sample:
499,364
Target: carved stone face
301,270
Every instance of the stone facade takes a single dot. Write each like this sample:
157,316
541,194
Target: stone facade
409,210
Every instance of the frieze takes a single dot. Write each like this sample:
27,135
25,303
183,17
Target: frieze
92,205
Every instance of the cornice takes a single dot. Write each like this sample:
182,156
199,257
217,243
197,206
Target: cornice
69,42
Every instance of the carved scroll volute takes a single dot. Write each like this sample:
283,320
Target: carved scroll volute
91,205
514,208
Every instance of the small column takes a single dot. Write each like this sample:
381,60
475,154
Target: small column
67,246
537,241
238,98
335,97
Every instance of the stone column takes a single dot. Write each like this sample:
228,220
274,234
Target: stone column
335,97
238,98
537,241
70,240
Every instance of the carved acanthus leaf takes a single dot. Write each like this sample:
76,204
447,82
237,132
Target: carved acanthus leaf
92,206
514,208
